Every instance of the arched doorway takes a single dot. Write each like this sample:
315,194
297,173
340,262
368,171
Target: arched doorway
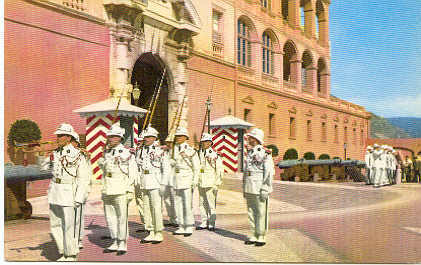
147,73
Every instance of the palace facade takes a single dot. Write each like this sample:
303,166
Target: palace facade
267,62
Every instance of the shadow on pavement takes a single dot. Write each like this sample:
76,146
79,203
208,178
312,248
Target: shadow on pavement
99,232
39,218
229,234
48,250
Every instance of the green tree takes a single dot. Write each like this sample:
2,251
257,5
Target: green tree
309,156
290,154
275,150
324,157
23,131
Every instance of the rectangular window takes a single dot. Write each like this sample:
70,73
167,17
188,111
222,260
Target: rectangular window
362,138
324,133
309,130
354,136
336,139
345,134
247,114
272,124
292,127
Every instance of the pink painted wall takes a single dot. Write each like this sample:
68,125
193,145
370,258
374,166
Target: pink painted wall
54,64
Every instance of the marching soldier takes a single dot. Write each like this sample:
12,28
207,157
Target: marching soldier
257,185
169,194
379,164
210,178
137,191
120,170
185,162
80,214
153,167
369,164
67,191
408,167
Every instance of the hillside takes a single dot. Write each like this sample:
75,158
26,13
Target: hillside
410,125
382,128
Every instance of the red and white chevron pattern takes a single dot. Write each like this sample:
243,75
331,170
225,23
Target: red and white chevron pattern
96,128
225,141
135,129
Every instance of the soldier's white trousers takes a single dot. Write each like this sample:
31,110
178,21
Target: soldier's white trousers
116,211
207,206
257,214
169,201
152,206
80,222
139,202
183,207
62,223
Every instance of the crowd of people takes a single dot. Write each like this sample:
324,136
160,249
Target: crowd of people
151,175
384,166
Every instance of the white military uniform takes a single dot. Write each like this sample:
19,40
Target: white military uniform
169,193
379,163
137,191
186,167
81,210
369,164
153,167
67,190
257,185
210,178
120,170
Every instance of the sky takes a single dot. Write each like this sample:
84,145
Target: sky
376,55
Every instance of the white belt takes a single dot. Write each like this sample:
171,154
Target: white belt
62,181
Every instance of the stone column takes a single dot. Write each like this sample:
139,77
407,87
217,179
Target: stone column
180,81
325,84
310,19
278,67
311,76
324,27
294,13
296,74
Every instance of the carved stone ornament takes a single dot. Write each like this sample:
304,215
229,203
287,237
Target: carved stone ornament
248,100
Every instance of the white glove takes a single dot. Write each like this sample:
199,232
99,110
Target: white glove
263,196
77,204
101,161
172,162
162,190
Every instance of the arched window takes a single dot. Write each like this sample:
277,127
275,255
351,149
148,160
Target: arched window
285,9
307,61
265,3
321,69
322,23
243,43
267,54
290,54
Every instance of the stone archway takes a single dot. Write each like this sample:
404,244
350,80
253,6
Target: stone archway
147,72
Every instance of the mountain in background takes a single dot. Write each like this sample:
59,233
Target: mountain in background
410,125
382,128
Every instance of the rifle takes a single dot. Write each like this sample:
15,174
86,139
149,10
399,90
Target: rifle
157,95
178,123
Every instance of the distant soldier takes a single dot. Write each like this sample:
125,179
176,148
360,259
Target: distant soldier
210,178
120,170
169,194
185,162
389,164
379,165
407,169
417,169
67,191
369,164
394,166
153,167
257,185
81,210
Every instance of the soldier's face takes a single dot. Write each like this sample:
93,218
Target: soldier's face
149,140
206,144
179,139
114,140
63,139
252,141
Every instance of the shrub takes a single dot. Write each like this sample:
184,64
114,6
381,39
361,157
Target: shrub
324,157
336,157
290,154
275,150
309,156
23,131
